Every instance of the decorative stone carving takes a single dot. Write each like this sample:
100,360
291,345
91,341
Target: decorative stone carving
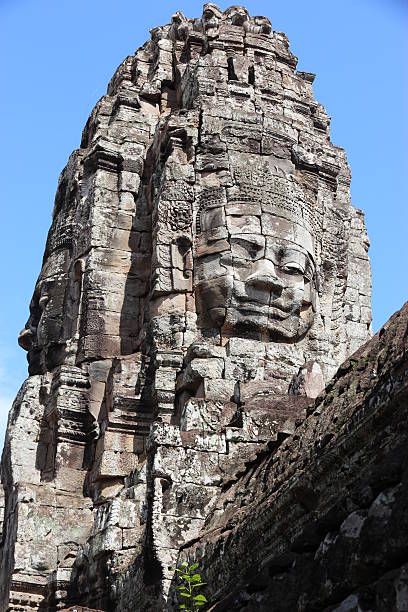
204,277
211,18
263,276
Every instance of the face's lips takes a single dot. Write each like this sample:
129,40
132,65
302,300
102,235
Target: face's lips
256,308
267,299
276,304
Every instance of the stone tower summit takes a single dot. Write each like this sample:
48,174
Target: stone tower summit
204,276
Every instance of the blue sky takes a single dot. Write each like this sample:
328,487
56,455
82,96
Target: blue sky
57,58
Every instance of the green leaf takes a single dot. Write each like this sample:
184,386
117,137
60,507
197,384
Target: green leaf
185,594
184,564
196,578
198,584
200,597
193,567
182,588
199,603
182,606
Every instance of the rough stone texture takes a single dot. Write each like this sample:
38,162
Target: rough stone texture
322,523
204,276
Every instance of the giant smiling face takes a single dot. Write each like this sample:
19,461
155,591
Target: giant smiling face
255,269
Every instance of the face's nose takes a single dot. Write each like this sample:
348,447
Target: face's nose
26,338
263,276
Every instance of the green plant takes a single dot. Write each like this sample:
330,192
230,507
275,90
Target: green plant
190,597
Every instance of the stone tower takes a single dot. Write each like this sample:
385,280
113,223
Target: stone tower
204,276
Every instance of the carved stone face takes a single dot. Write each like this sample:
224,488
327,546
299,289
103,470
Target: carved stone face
238,15
42,334
254,271
35,333
211,19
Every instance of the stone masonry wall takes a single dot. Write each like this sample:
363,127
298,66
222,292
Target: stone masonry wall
204,276
322,523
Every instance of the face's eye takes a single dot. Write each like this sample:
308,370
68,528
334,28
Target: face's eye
293,269
309,271
254,249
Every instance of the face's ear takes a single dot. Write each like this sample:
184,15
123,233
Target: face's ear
310,294
212,298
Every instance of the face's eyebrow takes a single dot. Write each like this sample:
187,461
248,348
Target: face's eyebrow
254,241
286,247
293,254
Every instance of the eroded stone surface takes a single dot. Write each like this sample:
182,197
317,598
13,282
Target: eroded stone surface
204,276
321,524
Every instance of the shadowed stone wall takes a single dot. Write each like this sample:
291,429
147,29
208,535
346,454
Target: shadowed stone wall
322,524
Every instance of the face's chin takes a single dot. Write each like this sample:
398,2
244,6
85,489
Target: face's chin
282,318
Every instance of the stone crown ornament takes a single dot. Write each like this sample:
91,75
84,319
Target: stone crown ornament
280,192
